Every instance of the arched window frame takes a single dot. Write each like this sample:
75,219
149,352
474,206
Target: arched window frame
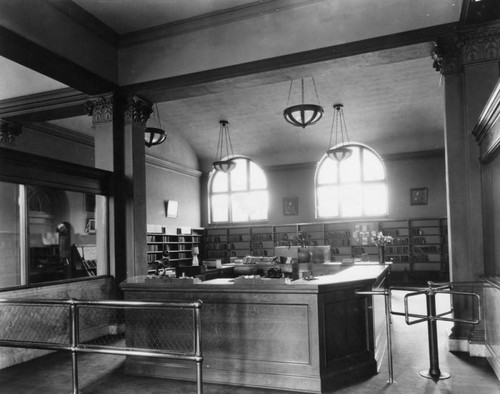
231,192
382,181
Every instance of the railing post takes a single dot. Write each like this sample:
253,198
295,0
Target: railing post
433,372
197,348
74,343
387,295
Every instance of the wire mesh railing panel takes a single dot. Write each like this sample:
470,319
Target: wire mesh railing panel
100,326
164,329
161,329
42,324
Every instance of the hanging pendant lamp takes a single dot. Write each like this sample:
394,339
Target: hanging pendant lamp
340,151
303,114
228,164
155,135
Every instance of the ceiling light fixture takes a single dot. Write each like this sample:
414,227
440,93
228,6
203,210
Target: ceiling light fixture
340,151
302,114
225,165
155,135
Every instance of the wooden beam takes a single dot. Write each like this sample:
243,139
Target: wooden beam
31,55
271,70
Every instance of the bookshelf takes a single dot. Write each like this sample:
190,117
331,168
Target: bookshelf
419,249
174,243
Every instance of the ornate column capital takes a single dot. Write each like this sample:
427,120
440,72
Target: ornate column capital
9,131
101,109
467,46
136,109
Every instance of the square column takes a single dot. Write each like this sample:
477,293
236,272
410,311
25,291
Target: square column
119,147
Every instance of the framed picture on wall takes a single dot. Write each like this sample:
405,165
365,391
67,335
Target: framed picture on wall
291,206
171,208
90,226
419,196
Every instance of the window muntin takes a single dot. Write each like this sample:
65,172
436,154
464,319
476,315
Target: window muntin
239,196
355,187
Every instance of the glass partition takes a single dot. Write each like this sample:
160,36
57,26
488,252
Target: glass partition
49,234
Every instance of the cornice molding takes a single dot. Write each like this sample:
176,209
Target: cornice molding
425,154
291,166
487,129
168,165
217,18
34,106
61,132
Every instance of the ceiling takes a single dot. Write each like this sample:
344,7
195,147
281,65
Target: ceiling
393,99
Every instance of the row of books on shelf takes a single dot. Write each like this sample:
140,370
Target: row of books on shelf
338,235
262,237
339,242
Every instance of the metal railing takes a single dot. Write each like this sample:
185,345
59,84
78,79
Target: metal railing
128,328
431,317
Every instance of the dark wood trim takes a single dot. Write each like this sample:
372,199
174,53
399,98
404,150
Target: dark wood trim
40,107
487,129
26,168
31,55
216,80
478,12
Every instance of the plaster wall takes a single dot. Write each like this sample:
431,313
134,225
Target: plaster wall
402,175
163,185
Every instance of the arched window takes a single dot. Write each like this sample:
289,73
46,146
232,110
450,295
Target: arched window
240,195
354,187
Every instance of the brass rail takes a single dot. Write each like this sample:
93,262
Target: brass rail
431,318
38,313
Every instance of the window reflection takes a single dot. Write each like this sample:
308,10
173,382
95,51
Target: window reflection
49,234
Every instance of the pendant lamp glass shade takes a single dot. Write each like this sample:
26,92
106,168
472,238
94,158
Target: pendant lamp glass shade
339,152
224,145
303,115
154,135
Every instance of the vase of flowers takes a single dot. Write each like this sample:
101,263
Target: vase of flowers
303,241
381,241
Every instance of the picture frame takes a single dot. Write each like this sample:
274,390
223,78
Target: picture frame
290,206
171,208
90,226
419,196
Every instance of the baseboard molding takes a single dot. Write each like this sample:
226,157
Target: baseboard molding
493,359
473,348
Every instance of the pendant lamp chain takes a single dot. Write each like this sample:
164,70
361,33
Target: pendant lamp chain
341,152
228,164
303,114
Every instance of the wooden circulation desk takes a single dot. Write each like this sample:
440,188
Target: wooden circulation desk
307,336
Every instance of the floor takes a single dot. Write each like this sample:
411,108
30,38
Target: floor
99,374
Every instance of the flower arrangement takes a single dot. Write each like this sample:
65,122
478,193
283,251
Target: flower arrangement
379,239
301,239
